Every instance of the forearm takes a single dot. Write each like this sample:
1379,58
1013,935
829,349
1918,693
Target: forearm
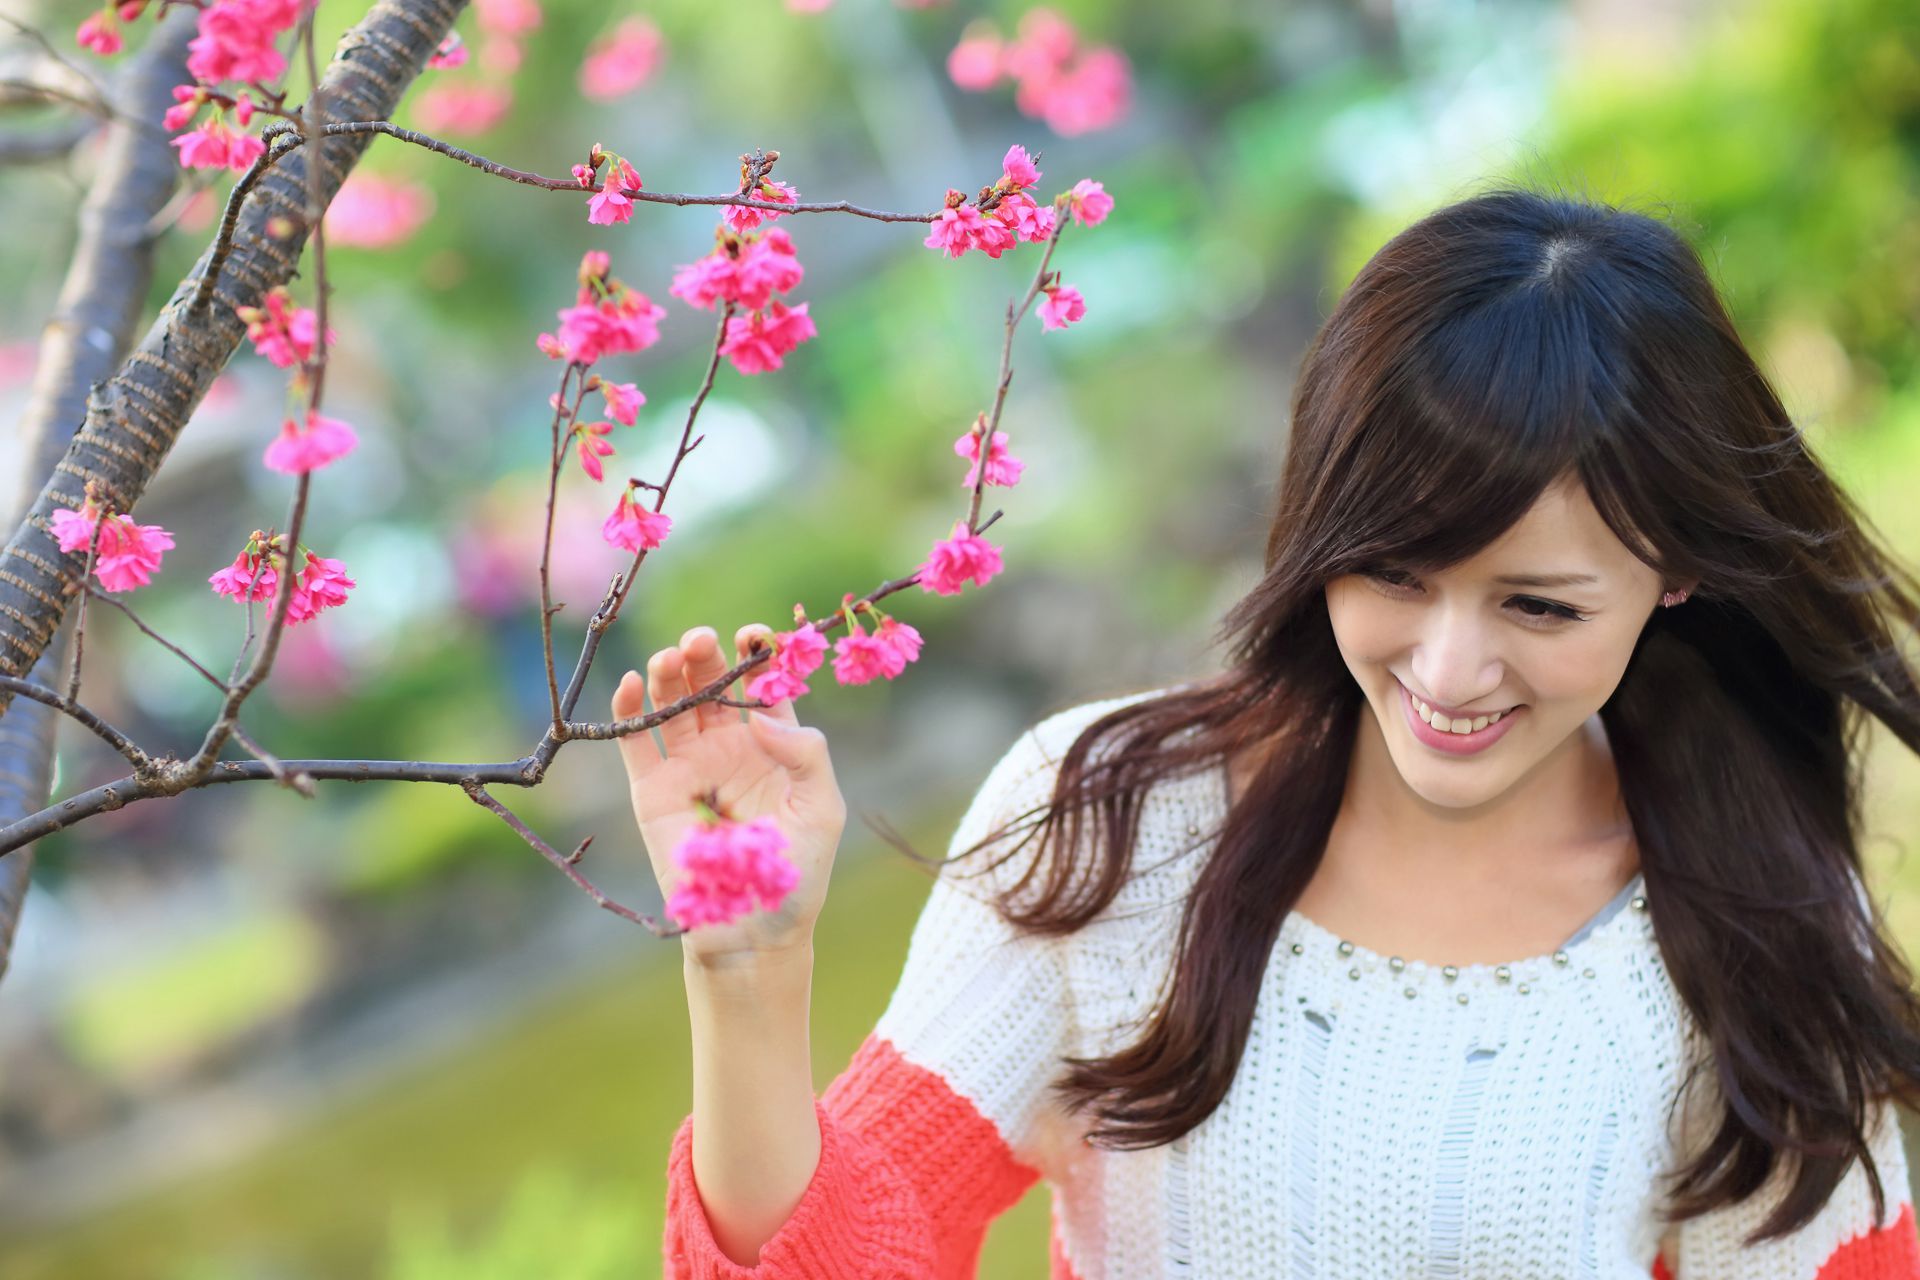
755,1139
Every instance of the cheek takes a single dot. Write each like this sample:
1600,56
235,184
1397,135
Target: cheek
1582,667
1365,626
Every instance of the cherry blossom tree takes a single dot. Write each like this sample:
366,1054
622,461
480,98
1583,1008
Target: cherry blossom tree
77,542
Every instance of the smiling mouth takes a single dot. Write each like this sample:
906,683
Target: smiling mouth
1464,723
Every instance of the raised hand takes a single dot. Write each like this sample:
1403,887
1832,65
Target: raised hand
765,765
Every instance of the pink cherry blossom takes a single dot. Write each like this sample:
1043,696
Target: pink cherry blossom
740,219
374,212
809,6
1061,307
611,204
100,33
462,108
975,62
758,343
633,527
703,282
1095,93
1072,86
236,40
594,446
957,560
622,60
296,452
239,579
187,101
1044,43
623,401
280,331
129,553
858,658
748,272
1027,221
322,585
766,266
1089,203
902,644
1002,467
1018,167
961,227
215,145
726,867
797,654
512,18
450,53
613,326
608,207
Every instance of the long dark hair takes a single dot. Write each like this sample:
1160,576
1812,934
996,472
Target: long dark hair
1497,345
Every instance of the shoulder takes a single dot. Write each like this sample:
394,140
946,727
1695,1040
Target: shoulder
1021,784
1053,735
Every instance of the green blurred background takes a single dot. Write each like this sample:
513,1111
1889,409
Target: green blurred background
247,1035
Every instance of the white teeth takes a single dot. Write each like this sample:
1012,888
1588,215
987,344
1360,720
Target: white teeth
1463,725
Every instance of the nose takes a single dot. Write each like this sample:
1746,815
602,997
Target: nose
1455,658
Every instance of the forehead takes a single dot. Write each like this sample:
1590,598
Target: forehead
1562,532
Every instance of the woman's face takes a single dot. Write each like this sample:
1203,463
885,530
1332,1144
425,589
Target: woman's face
1472,640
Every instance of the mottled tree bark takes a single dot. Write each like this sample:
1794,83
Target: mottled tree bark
82,424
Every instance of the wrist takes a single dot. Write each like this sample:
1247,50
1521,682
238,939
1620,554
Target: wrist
774,970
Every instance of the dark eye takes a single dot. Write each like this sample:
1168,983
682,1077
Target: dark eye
1534,608
1392,577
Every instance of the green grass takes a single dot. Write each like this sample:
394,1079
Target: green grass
587,1092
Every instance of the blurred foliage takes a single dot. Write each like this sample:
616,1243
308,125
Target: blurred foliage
144,1020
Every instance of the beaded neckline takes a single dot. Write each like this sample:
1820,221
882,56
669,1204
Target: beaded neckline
1302,936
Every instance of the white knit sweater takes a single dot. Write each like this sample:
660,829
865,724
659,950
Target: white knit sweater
1388,1119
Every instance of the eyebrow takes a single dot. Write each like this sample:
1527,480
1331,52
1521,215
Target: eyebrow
1545,579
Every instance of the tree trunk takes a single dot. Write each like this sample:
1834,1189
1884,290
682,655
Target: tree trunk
123,426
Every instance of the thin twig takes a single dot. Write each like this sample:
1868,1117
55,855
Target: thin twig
119,741
80,614
555,452
566,862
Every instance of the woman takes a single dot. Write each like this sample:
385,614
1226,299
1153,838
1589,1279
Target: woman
1497,912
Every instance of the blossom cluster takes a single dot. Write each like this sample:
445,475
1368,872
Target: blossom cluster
1012,216
255,575
621,60
236,41
129,553
284,333
607,318
726,866
1005,216
746,271
859,655
1074,87
468,106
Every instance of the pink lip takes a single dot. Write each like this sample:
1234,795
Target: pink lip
1459,744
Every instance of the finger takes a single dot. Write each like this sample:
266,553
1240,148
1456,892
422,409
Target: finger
666,676
705,664
800,749
636,749
743,646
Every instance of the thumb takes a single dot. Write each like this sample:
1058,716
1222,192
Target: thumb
799,749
